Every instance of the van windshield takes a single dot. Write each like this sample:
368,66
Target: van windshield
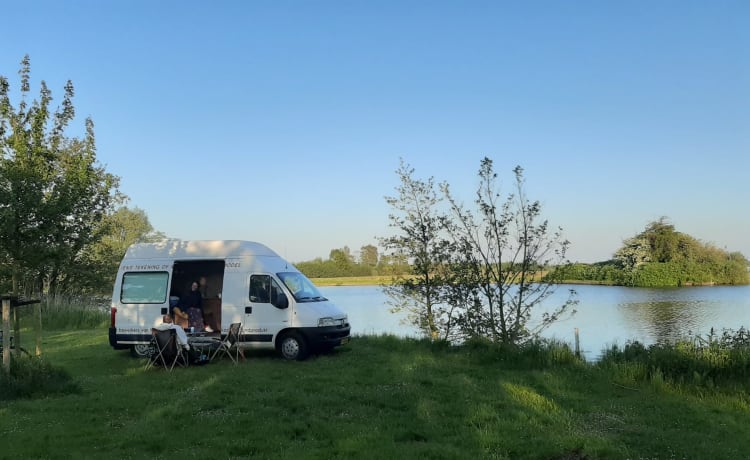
301,288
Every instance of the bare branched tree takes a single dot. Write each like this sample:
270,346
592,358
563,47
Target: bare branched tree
478,272
422,242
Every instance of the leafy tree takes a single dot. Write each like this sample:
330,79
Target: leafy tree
504,249
341,257
635,252
368,256
52,191
475,272
393,265
660,256
665,244
339,264
421,241
101,259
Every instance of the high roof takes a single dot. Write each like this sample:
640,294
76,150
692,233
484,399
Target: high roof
197,249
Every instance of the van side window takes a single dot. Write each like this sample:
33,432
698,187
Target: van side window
260,288
275,291
144,287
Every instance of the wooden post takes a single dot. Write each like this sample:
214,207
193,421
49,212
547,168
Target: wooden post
16,328
38,329
578,345
6,335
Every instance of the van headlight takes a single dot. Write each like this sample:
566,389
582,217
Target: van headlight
328,322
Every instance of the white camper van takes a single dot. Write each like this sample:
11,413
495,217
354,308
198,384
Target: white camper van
240,282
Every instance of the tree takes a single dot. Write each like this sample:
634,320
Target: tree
505,248
342,258
421,240
633,253
475,272
52,191
114,234
368,256
661,256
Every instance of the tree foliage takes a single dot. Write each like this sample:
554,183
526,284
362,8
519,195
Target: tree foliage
476,272
114,234
660,256
53,193
422,241
368,256
340,263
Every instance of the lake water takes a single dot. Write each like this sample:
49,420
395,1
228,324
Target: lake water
606,315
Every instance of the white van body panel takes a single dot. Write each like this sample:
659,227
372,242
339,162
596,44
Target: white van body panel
150,273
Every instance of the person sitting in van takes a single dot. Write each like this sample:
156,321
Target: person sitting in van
176,314
193,303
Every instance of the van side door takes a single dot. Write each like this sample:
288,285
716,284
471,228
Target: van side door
267,310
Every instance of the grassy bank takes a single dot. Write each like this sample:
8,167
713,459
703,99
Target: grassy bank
353,281
378,397
384,280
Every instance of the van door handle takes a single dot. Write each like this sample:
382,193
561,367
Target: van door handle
248,310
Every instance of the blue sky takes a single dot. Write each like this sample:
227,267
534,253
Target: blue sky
283,121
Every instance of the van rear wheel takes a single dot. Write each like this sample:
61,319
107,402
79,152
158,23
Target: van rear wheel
292,347
141,350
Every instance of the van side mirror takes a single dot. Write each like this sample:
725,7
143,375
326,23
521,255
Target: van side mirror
281,302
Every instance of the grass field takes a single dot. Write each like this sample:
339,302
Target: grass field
375,398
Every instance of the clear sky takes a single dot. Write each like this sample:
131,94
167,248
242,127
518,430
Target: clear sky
283,121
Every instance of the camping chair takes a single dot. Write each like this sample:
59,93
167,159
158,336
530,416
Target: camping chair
165,351
230,346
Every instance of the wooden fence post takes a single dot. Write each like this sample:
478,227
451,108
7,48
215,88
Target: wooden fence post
578,345
16,328
38,329
6,335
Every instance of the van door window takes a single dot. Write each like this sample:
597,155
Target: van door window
260,288
264,289
144,287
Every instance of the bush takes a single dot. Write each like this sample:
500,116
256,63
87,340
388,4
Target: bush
702,361
540,353
31,377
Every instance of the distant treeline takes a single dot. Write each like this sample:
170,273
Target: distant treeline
659,256
341,263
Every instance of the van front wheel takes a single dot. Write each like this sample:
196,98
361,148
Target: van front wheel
293,347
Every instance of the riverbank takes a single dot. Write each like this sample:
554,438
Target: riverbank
353,281
385,280
375,398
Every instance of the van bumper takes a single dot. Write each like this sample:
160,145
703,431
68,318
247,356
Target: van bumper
327,337
113,340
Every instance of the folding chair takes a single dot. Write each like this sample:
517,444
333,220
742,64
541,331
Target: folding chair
230,346
165,351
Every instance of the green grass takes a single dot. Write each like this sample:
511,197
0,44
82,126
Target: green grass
376,398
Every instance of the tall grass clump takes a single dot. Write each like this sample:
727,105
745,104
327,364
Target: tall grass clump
32,377
63,312
710,360
534,354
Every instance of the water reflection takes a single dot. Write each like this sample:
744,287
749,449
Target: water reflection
665,321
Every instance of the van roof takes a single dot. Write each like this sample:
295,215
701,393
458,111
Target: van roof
197,249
